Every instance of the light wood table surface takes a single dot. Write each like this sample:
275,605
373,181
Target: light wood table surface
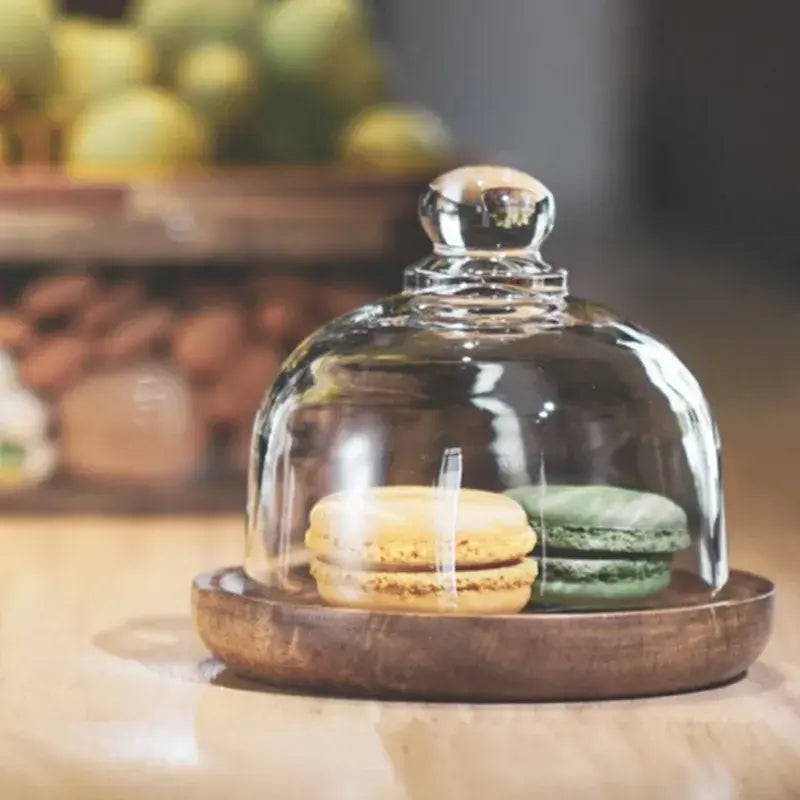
105,691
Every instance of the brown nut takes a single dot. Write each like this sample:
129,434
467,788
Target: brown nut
108,308
137,425
238,452
56,296
237,396
137,336
206,341
53,364
285,310
279,322
15,331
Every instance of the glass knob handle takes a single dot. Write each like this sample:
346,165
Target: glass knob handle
486,208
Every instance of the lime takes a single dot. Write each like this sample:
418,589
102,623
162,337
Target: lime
27,55
173,26
298,35
396,138
142,133
100,61
218,80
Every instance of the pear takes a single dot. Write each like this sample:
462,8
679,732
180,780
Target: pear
218,80
298,36
70,33
27,51
396,138
142,133
100,61
173,26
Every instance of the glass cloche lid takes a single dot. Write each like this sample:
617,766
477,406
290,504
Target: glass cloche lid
483,442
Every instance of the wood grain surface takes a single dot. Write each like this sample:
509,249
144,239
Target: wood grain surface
690,640
106,692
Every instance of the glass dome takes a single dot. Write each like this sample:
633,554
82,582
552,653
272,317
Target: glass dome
483,442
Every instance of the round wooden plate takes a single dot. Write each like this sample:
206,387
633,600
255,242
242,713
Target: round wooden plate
690,640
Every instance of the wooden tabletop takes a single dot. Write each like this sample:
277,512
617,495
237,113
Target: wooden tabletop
106,692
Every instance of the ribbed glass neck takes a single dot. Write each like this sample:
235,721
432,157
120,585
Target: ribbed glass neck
522,272
502,292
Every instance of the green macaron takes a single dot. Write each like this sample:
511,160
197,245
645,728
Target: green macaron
599,544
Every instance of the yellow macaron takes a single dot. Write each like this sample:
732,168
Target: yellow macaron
420,548
419,526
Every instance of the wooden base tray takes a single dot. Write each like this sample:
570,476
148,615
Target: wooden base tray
691,640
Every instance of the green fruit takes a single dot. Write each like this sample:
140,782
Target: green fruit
71,36
5,148
27,54
396,138
297,36
96,62
173,26
144,132
296,126
164,22
218,81
353,77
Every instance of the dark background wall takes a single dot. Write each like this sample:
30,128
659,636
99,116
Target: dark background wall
719,128
672,116
542,84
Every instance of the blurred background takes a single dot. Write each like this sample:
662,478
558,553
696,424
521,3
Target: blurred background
192,186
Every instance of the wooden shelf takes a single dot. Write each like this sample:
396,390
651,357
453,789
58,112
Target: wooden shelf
305,214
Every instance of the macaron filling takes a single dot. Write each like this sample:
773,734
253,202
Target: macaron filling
614,540
514,576
603,569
